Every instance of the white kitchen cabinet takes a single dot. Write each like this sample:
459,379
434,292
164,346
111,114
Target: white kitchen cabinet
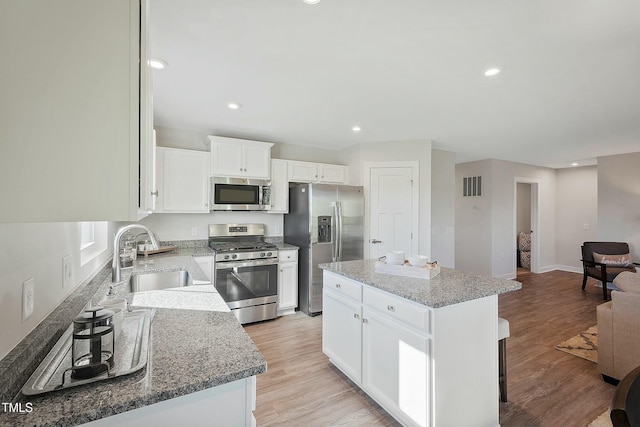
287,281
279,186
206,264
396,366
183,181
317,172
342,324
240,158
227,405
412,359
76,134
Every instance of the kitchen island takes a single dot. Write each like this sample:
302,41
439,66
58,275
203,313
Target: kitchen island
201,368
425,350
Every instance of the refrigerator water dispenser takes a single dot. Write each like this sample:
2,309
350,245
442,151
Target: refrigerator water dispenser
324,229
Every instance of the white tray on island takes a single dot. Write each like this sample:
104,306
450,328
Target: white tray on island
429,271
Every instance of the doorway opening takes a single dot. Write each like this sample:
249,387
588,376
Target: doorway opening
525,237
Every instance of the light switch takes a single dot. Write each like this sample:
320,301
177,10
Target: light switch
585,226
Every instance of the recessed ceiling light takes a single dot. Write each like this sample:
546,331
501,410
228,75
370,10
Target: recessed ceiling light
356,128
492,72
574,164
158,64
311,1
234,105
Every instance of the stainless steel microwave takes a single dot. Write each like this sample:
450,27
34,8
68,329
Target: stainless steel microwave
240,194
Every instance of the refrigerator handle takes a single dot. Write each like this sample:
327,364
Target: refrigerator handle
334,233
339,230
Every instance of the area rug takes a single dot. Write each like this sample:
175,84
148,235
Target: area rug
584,345
602,421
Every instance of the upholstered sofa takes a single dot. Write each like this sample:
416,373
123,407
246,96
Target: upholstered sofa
619,328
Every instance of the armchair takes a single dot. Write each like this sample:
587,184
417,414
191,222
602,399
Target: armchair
607,264
619,329
625,411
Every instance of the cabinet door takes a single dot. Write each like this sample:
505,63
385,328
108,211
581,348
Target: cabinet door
227,157
302,171
185,180
332,174
288,286
279,186
342,333
395,367
257,160
70,132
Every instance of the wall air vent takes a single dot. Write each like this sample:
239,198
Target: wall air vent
472,186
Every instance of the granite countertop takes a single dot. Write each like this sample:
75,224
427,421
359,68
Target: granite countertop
448,288
201,248
196,343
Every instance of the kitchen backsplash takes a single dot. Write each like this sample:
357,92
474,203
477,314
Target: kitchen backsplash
196,226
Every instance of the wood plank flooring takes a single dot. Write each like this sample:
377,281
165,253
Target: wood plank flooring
547,387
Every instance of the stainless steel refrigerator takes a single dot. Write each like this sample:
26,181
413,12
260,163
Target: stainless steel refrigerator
326,222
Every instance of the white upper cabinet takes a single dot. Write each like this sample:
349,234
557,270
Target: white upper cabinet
279,187
240,158
75,123
183,181
317,172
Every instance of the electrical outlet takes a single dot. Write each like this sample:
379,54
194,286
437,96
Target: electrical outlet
28,298
67,271
194,231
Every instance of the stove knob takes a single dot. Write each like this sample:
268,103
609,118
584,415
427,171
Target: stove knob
226,257
234,256
269,254
262,254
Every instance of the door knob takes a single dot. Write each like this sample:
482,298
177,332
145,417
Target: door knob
374,241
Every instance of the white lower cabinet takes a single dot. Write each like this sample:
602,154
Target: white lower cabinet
287,281
421,364
342,332
227,405
396,367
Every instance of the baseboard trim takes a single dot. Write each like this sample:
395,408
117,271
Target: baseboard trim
569,268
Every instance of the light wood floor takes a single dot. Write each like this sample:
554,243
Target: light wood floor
547,387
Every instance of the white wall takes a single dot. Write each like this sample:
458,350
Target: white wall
485,226
473,220
36,251
356,156
503,185
619,200
577,205
443,201
523,207
196,226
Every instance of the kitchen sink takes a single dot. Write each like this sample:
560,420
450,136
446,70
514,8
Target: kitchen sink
159,280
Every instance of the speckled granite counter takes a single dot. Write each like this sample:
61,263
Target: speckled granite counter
196,343
447,288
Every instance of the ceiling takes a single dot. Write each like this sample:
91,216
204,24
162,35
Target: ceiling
406,70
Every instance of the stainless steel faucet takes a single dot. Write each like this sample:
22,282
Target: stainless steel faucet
116,275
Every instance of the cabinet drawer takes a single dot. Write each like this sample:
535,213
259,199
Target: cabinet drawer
343,286
287,256
409,312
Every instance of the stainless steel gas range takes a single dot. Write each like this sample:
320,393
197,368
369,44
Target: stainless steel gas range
246,270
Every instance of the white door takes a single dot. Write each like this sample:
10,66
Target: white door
393,211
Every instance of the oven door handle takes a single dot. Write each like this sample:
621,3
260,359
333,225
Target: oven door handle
249,263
